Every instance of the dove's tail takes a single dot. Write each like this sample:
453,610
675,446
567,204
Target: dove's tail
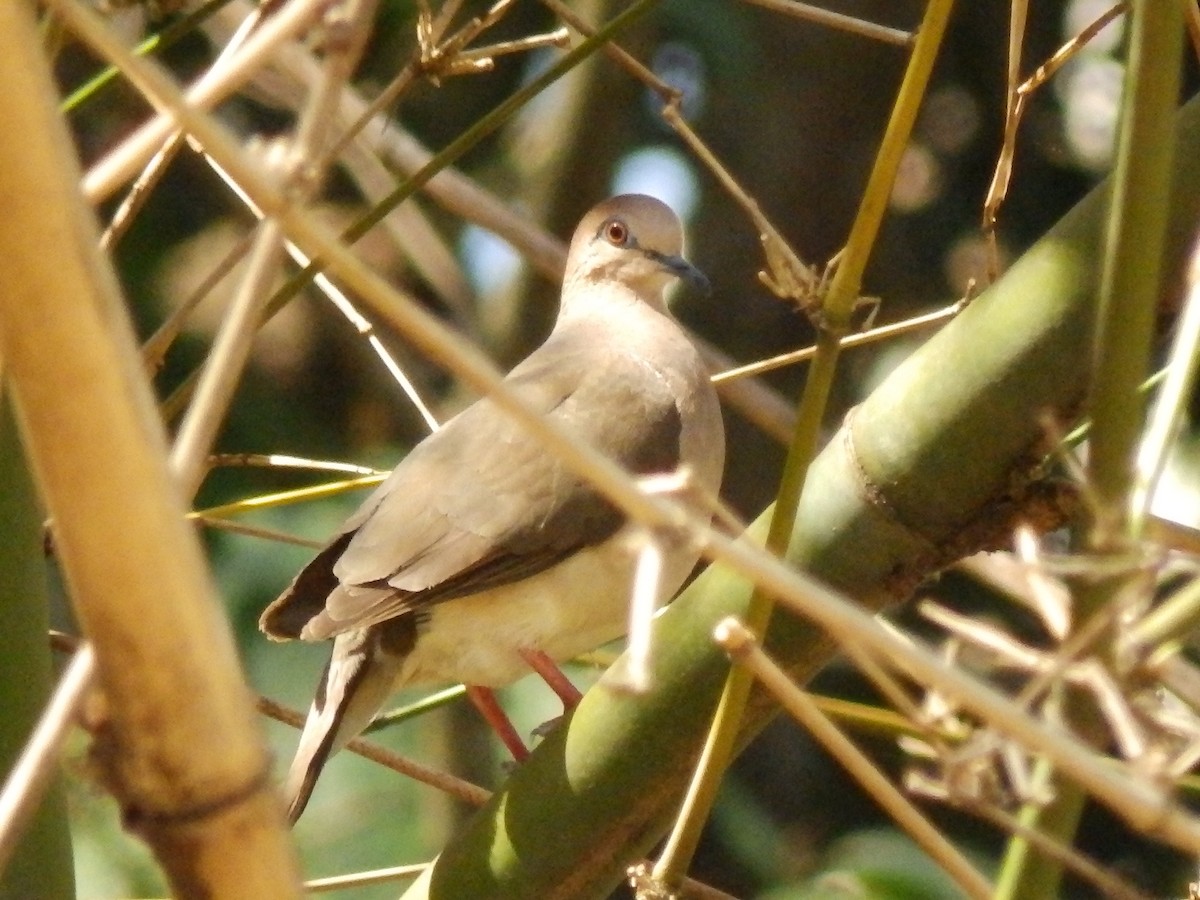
356,683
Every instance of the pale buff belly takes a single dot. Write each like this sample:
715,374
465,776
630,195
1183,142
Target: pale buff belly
574,607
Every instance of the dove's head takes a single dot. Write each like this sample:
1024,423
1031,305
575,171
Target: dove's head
634,241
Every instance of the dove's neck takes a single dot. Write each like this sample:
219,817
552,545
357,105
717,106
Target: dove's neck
583,297
617,316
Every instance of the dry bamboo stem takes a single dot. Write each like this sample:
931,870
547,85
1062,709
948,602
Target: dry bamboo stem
181,748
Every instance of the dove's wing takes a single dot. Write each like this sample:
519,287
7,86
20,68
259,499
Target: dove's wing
480,503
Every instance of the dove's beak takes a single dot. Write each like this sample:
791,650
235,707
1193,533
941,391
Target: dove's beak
684,270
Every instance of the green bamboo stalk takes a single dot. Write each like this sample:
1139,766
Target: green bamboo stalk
42,865
932,466
1129,291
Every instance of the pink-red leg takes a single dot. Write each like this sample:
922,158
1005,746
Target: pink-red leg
553,676
485,701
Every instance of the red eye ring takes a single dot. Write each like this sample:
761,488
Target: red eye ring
616,232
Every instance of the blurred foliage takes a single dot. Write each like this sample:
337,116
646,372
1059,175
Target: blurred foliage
795,112
879,864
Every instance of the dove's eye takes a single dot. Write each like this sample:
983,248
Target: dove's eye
616,232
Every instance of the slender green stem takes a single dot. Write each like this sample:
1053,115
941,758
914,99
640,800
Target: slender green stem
1170,620
1027,873
156,43
844,290
835,320
1125,328
1129,287
416,708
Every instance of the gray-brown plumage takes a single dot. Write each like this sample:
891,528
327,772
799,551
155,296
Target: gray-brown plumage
481,544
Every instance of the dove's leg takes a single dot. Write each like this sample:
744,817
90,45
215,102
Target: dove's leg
554,677
485,701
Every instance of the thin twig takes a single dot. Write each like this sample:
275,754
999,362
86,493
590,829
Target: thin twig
266,534
366,330
425,59
286,461
837,21
156,168
556,38
155,43
634,675
140,190
1014,105
850,341
154,350
341,303
1175,617
742,646
425,704
785,275
443,781
1018,98
286,498
36,766
125,160
348,29
909,710
222,371
363,879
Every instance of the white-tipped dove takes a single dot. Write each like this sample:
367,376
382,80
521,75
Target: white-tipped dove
482,554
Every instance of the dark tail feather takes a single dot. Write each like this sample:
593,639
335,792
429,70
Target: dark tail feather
356,683
302,777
